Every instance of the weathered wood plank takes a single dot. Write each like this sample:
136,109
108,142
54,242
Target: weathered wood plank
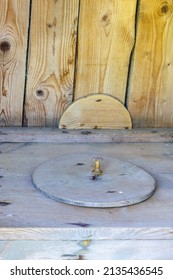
14,19
150,98
51,135
87,250
51,61
105,42
91,233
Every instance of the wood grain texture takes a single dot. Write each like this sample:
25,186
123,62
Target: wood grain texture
14,19
91,233
105,42
51,61
150,98
52,135
96,111
87,250
27,214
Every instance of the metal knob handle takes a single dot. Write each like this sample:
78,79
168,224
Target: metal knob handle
96,171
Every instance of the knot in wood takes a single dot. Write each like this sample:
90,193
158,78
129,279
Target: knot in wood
40,93
106,18
164,9
5,46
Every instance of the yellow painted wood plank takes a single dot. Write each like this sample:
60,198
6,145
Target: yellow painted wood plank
96,111
14,18
151,93
105,42
51,60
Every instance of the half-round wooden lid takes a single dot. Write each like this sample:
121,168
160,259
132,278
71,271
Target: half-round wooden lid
96,111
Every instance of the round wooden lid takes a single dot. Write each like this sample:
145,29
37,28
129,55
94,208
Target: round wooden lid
69,179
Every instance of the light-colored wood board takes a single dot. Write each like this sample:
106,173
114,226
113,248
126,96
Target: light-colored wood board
69,179
14,20
93,233
96,111
87,250
52,135
150,96
105,41
51,61
27,214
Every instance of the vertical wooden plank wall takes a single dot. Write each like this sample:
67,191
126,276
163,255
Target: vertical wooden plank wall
105,42
57,73
51,60
14,17
150,96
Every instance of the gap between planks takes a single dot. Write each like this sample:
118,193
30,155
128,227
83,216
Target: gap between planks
54,135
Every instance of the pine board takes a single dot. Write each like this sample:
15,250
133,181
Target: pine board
105,41
14,22
51,61
150,97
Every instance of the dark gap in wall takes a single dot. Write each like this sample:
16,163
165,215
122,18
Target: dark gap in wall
76,53
24,123
132,55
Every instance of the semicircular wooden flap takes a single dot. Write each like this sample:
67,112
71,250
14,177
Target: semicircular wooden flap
96,111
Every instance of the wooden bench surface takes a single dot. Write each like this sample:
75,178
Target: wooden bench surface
25,213
35,227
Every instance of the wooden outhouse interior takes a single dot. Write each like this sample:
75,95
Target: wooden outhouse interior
56,56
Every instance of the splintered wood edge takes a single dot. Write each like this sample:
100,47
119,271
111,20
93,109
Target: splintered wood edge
96,111
54,135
